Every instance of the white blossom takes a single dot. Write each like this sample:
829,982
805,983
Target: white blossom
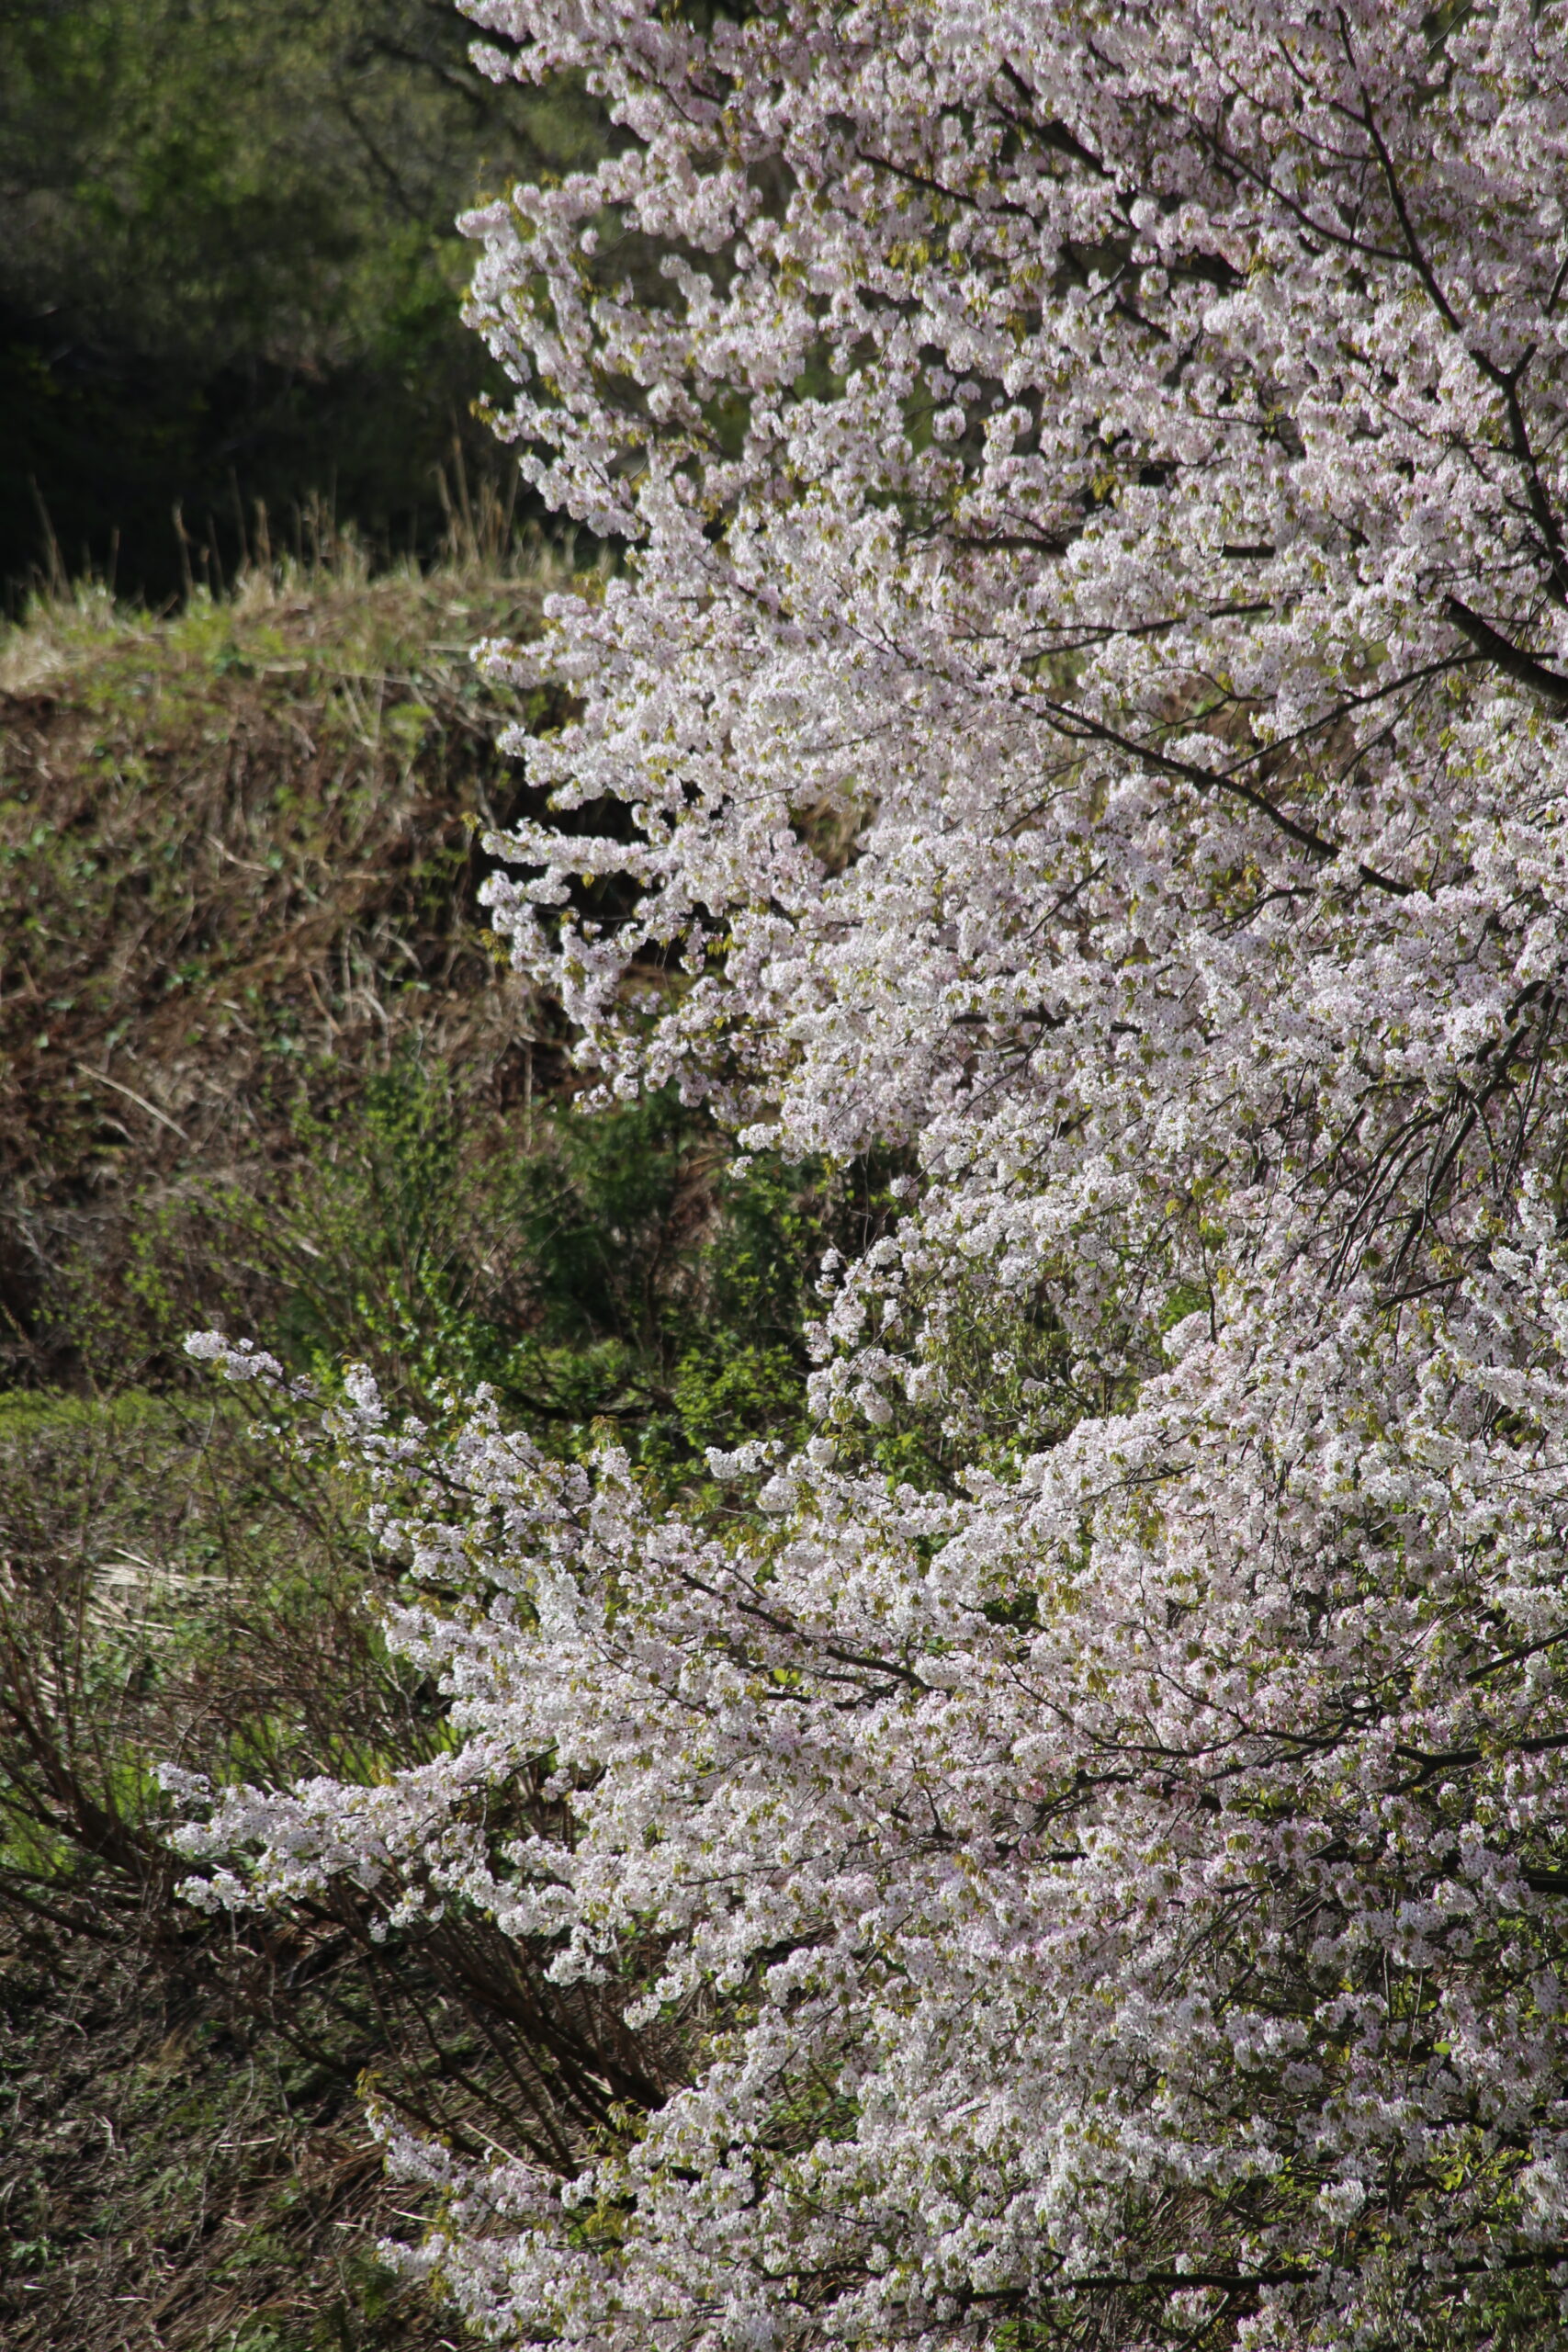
1087,688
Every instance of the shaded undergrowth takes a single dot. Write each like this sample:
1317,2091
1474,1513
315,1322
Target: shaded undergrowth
261,1065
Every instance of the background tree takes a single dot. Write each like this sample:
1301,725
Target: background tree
229,272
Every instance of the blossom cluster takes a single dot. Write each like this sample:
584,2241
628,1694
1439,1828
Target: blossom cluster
1083,710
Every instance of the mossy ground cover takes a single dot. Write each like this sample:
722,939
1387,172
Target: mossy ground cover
260,1065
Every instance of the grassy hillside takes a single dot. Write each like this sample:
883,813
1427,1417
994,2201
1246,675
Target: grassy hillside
237,862
260,1065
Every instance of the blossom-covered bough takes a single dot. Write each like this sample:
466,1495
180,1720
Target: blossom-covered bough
1088,696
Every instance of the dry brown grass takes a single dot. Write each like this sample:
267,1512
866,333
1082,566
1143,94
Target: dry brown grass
237,868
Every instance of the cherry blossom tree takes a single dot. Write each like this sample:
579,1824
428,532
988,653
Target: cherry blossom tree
1084,711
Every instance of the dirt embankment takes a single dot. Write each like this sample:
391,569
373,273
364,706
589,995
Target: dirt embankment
238,860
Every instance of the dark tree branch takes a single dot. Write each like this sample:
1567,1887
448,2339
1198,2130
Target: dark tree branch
1503,655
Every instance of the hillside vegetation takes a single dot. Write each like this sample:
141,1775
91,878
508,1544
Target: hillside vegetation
261,1066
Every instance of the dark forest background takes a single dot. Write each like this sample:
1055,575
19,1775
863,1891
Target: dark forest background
230,272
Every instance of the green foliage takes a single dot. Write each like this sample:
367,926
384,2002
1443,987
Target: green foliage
228,268
595,1270
262,1068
